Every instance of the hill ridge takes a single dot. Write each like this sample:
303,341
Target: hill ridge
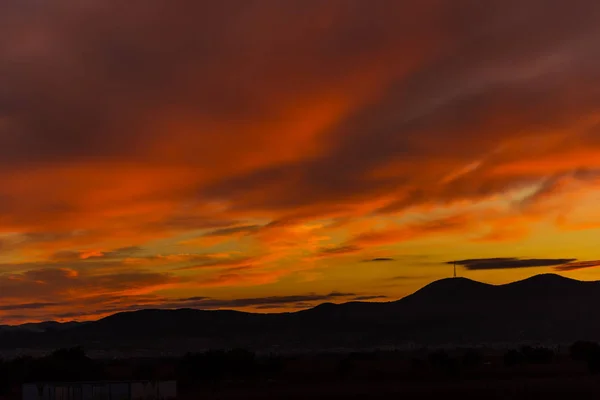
448,282
460,311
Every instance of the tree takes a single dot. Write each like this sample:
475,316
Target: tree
67,364
240,363
580,350
145,371
537,355
472,358
589,352
345,367
73,354
513,357
442,361
272,366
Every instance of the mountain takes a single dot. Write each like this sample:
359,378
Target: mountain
47,326
455,311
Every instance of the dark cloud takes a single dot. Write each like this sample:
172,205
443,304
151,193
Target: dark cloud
572,266
262,301
372,297
232,231
272,306
133,122
510,263
27,306
488,70
380,259
193,299
120,48
206,303
338,251
445,71
50,285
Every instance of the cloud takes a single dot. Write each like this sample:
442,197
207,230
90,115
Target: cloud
263,301
288,302
117,254
56,285
511,262
503,233
367,298
232,230
221,235
102,280
126,127
128,258
411,94
123,252
576,265
398,233
338,251
211,262
558,264
240,277
27,306
208,303
415,230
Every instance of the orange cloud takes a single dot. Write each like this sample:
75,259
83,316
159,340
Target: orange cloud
149,140
413,231
63,285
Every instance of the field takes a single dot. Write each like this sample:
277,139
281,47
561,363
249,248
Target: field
520,388
424,374
390,375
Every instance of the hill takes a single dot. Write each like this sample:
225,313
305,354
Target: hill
454,311
47,326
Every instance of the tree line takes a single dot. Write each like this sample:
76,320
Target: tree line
214,366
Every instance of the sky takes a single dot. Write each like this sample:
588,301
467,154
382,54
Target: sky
272,155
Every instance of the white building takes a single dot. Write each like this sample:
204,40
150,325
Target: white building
101,390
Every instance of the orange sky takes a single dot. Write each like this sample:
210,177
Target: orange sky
269,156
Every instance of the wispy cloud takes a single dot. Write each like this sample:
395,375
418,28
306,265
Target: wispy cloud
576,265
511,262
106,305
131,134
371,297
233,230
338,251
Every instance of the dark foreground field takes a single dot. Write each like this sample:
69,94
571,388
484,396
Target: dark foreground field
519,388
523,373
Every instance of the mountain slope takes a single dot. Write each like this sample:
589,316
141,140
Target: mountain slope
451,311
47,326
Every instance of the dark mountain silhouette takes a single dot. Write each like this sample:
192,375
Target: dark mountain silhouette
455,311
46,326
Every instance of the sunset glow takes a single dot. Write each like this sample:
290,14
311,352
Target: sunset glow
272,155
